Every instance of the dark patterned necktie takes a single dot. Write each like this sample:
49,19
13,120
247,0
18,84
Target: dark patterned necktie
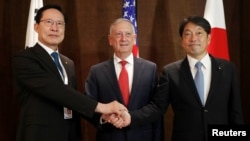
56,60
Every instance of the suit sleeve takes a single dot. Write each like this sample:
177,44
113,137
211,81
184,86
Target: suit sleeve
35,78
235,115
92,92
155,108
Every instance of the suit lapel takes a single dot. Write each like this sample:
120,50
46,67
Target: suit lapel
110,75
65,64
45,59
68,69
188,78
138,73
216,76
217,69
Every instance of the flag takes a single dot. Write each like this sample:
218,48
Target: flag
129,12
214,13
31,35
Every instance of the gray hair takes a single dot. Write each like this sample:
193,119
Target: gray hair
121,20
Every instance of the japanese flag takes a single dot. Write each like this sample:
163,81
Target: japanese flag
214,13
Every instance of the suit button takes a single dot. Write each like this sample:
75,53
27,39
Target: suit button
205,110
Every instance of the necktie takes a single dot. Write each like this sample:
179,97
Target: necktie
199,81
56,60
123,82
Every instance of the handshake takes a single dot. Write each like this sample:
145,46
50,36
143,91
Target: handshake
114,113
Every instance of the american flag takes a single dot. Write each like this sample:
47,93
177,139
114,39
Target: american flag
129,12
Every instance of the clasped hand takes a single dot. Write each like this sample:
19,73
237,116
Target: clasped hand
118,120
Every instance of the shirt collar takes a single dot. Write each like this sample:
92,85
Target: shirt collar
129,59
205,61
49,50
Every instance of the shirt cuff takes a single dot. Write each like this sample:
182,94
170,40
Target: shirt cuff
102,121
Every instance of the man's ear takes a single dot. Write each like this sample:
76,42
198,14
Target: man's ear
36,27
110,40
209,36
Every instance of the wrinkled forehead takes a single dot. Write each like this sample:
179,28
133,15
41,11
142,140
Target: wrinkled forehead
122,26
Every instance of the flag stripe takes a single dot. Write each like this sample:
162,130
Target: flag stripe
135,50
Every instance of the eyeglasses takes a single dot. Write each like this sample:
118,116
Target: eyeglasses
49,23
123,34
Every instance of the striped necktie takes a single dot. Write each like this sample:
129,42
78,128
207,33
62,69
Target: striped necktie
56,60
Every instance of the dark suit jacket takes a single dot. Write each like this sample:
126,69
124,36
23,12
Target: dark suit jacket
43,96
223,105
102,85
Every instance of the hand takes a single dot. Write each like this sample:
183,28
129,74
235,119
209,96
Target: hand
119,121
113,107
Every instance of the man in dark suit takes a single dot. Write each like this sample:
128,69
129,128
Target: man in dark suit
103,85
220,102
50,104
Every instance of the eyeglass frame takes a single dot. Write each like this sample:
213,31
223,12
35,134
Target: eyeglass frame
123,34
50,22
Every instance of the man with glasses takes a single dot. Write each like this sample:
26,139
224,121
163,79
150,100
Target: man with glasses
46,82
130,80
203,90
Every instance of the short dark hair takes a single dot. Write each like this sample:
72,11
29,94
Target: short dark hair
200,21
40,11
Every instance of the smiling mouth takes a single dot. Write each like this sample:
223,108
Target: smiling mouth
122,45
191,45
53,36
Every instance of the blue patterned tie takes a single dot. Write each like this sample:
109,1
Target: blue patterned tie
199,81
56,60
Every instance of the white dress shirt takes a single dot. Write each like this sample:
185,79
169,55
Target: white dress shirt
67,112
129,66
50,51
206,69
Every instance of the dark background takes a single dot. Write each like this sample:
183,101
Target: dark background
86,43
